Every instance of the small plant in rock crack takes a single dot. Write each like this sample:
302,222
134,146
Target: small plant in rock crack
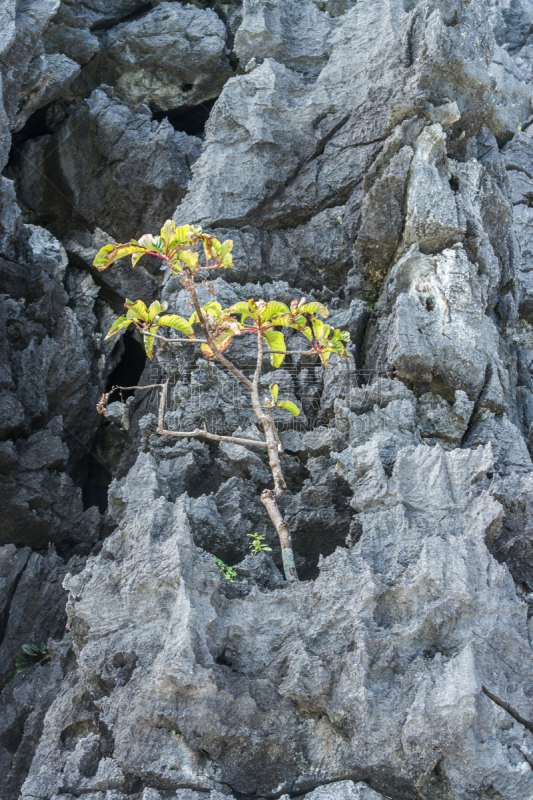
257,545
261,320
31,654
228,572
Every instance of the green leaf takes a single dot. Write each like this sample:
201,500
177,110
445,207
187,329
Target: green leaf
288,406
23,661
274,389
224,256
238,308
167,231
189,258
273,307
149,341
145,242
314,308
320,329
30,649
158,244
275,341
155,309
324,357
118,325
213,308
182,236
137,310
110,253
177,322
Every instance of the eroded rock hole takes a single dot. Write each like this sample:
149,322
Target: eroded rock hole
188,119
454,184
130,366
106,451
37,125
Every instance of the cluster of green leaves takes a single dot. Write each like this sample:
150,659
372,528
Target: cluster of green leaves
257,545
260,317
175,245
148,320
326,340
228,572
273,401
222,327
255,317
31,654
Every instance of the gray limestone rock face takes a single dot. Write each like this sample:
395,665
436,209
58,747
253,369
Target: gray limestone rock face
284,670
375,156
46,404
437,331
431,218
47,76
295,34
171,57
134,170
441,421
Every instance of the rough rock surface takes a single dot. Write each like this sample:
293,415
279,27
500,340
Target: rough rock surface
374,155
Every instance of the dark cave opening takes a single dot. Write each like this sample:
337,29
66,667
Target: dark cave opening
96,485
188,119
110,23
109,439
36,125
129,368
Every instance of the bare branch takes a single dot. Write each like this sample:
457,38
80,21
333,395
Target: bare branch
177,341
131,388
102,403
162,401
204,341
214,436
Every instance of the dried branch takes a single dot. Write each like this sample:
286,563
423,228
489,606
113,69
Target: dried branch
104,399
198,432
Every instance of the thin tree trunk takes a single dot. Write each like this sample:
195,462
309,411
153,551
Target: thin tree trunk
269,497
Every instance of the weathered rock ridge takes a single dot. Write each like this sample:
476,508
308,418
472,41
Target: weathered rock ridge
376,155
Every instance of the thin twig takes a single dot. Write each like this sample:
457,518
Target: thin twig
131,388
176,341
203,341
214,436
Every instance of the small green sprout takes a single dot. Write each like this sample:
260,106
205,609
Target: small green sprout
228,572
256,545
31,654
275,403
